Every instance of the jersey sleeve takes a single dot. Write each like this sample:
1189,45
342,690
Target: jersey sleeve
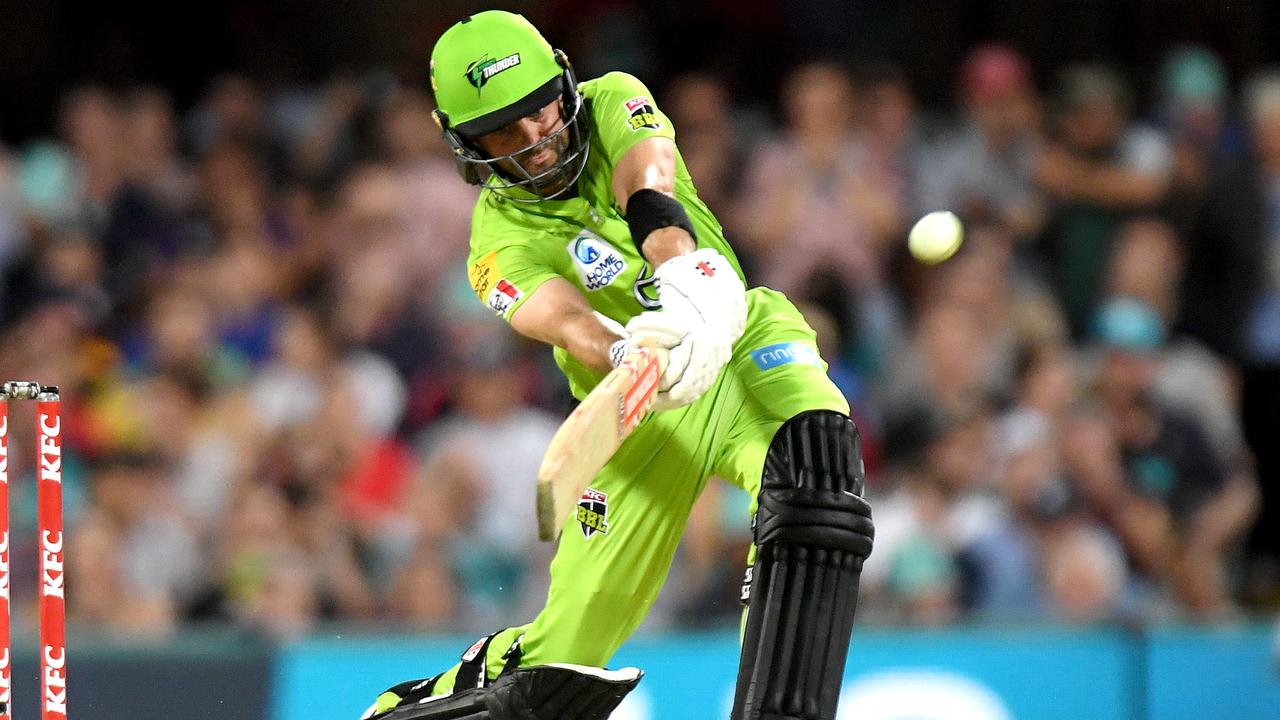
505,268
625,114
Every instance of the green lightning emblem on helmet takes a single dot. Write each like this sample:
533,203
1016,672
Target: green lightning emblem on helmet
480,71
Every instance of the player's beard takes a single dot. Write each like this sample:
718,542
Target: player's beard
540,166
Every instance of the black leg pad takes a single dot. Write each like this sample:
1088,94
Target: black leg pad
813,531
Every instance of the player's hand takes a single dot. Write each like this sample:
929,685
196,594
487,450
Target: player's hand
694,359
704,286
660,332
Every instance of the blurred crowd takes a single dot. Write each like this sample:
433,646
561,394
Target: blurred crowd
284,406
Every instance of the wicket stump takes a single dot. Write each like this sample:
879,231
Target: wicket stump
53,630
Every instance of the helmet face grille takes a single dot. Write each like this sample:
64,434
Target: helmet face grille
506,174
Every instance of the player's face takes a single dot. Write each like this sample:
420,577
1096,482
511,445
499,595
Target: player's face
523,140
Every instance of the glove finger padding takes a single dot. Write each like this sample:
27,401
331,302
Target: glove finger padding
665,331
694,357
707,356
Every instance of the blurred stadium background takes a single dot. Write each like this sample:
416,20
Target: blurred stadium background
300,454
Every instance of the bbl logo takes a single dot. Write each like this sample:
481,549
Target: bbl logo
641,114
479,72
593,509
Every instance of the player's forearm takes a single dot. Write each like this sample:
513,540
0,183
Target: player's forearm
589,341
583,336
559,315
651,165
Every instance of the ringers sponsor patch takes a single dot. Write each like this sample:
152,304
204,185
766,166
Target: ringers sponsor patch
597,262
503,295
641,114
778,354
592,513
483,273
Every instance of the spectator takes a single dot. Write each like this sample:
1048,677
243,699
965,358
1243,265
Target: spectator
1192,110
494,536
888,120
1097,168
432,205
1168,457
707,573
152,165
713,141
1086,575
820,199
13,229
150,561
179,337
1046,382
231,110
1146,265
1231,295
986,172
936,504
1004,560
960,351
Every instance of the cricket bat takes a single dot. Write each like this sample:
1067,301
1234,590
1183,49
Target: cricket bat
592,434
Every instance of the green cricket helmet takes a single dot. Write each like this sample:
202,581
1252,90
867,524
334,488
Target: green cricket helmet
490,70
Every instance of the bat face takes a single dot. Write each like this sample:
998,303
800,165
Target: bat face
592,434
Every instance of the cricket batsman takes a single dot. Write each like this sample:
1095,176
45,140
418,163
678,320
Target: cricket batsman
589,235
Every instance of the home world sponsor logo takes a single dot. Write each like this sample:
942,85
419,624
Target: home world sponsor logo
598,263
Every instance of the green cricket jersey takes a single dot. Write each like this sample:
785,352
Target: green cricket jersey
515,246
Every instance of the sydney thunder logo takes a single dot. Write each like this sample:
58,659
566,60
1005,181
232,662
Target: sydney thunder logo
479,72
